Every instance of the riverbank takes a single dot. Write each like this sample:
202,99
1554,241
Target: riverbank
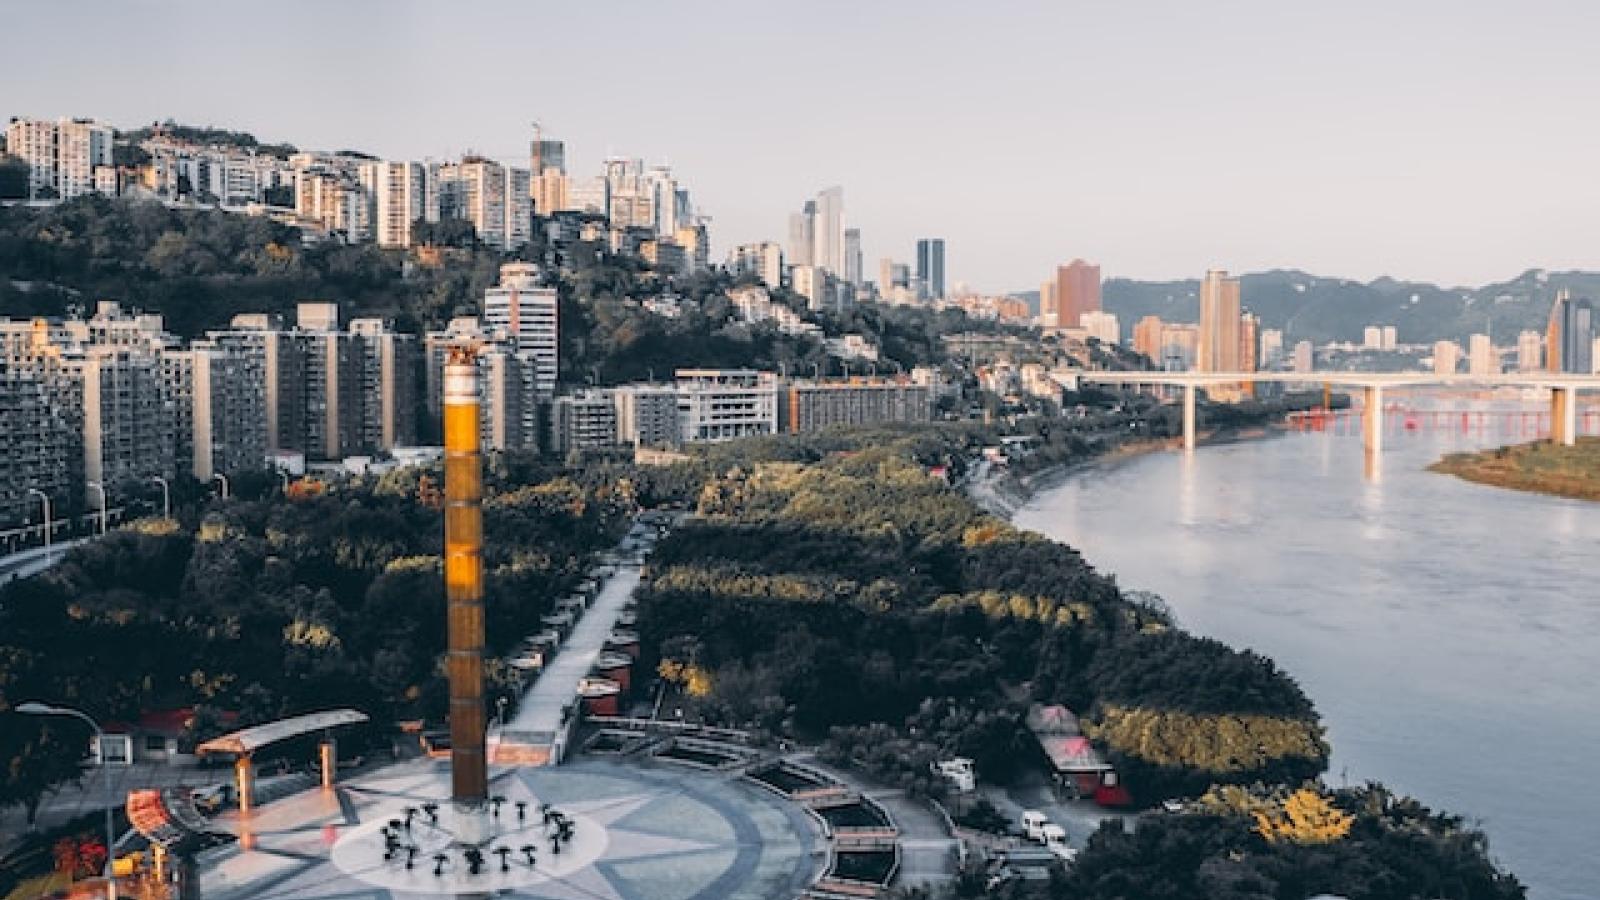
1003,493
1539,467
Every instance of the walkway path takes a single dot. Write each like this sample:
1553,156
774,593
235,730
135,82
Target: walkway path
540,713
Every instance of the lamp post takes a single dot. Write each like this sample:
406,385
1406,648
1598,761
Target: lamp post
35,708
166,496
101,489
224,479
44,499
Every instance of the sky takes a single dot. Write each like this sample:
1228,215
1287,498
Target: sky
1455,142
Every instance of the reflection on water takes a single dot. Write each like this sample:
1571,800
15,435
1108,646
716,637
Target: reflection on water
1446,630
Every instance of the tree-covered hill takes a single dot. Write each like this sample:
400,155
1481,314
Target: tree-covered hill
200,267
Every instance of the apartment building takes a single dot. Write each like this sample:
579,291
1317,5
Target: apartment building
806,406
721,404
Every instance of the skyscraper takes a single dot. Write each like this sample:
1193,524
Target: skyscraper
1570,335
1220,323
1078,292
828,231
930,266
802,235
852,257
546,154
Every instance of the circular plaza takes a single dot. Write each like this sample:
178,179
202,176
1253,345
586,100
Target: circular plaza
589,829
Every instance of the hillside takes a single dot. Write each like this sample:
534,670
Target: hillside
1319,308
200,267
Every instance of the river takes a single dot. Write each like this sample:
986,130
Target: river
1447,632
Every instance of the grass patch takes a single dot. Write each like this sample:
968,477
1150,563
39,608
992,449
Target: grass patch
1541,467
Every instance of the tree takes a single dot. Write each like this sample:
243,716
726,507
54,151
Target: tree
13,177
36,759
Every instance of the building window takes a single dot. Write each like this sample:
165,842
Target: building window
155,743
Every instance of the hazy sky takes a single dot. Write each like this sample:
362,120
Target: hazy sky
1449,141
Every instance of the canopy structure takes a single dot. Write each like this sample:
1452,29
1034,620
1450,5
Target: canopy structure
246,741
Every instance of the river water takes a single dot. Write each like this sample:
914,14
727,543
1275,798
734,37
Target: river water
1447,632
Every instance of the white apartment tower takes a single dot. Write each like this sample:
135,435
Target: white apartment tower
63,156
400,194
526,315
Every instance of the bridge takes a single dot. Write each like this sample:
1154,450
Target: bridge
1563,389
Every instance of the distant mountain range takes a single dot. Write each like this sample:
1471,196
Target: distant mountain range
1319,309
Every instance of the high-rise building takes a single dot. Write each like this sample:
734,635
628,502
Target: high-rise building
332,386
1481,358
219,394
828,232
519,208
802,235
1077,292
1050,304
545,155
1147,338
1530,346
852,257
1372,338
1446,357
763,260
388,365
1570,335
475,190
40,445
526,314
1271,348
811,283
930,267
550,194
400,193
63,157
1220,323
1249,341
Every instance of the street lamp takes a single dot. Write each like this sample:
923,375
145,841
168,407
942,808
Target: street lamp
44,499
166,496
97,486
35,708
224,479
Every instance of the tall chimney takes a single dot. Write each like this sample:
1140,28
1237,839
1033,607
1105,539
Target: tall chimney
463,579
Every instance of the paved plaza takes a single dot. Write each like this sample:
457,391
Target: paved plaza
641,831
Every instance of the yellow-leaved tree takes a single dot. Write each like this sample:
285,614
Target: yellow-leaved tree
1304,817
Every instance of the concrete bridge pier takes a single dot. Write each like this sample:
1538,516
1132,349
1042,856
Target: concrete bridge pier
1188,416
1372,419
1563,416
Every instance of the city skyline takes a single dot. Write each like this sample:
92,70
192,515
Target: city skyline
1310,162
